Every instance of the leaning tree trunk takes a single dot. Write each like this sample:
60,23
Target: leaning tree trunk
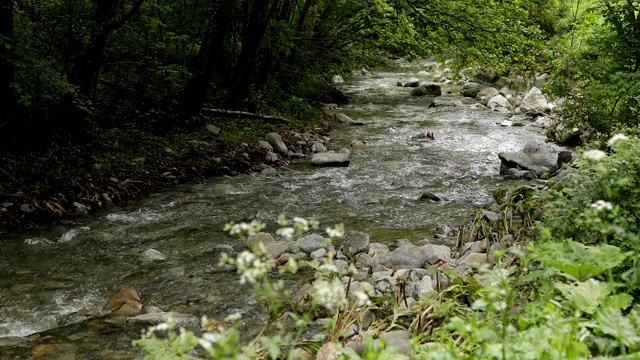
196,89
8,108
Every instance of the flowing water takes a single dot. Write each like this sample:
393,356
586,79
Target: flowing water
49,278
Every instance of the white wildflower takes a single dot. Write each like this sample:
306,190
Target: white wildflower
602,205
617,137
329,268
330,294
302,222
335,232
594,155
363,298
286,232
250,267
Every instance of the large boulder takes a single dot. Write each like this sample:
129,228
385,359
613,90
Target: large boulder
404,257
471,89
330,159
534,102
342,118
276,142
355,242
536,156
427,90
486,94
486,74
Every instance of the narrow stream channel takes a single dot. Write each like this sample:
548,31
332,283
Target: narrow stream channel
49,278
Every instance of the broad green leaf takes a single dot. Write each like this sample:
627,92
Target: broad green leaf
585,296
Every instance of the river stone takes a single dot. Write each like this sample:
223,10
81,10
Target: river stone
429,196
276,248
327,351
491,216
265,145
337,79
153,255
564,157
386,284
534,101
270,157
475,258
486,94
537,156
423,287
473,247
276,141
186,321
471,89
330,159
269,171
214,130
259,238
311,243
404,257
413,82
342,118
497,102
435,253
344,151
317,147
427,90
318,254
515,174
377,249
397,342
355,242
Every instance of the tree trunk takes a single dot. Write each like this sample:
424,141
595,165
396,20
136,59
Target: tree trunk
202,69
256,25
8,109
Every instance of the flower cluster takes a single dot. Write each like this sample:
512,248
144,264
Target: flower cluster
594,155
602,205
251,267
330,293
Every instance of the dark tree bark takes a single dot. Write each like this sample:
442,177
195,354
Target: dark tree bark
85,70
202,69
8,108
253,32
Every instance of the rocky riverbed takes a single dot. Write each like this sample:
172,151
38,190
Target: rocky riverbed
398,169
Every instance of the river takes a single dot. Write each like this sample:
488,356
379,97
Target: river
51,277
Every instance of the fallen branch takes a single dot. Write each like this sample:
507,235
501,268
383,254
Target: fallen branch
247,114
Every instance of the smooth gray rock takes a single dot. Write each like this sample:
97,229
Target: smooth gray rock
429,196
153,255
404,257
435,253
491,216
355,242
318,254
342,118
187,321
471,89
265,145
270,157
377,249
330,159
537,156
269,171
497,102
397,342
276,141
486,94
311,243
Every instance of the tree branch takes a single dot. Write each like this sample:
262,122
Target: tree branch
245,114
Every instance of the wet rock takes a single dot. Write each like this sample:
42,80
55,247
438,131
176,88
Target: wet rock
214,130
565,157
153,255
435,253
485,74
355,242
429,196
124,303
318,147
543,122
186,321
276,141
486,94
311,243
81,208
342,118
413,82
427,90
269,171
498,101
471,89
515,174
259,238
27,208
537,156
337,79
330,159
